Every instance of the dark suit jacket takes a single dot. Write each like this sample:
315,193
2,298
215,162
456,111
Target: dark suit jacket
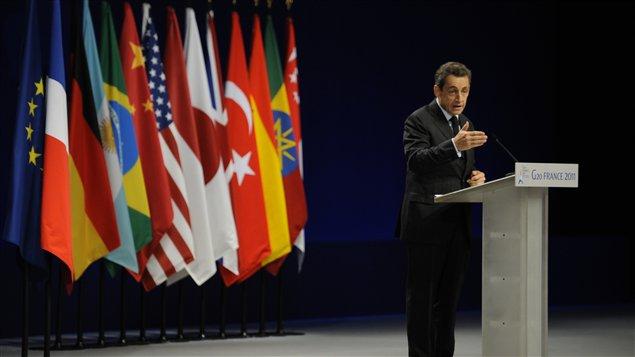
433,167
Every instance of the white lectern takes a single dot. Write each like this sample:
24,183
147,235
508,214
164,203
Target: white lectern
514,283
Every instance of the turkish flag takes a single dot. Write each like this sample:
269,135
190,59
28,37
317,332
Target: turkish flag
243,169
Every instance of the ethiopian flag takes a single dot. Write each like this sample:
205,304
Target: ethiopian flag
287,143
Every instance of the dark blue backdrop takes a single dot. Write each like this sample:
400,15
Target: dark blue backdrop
548,77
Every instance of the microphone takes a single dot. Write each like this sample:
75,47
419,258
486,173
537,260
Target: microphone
498,141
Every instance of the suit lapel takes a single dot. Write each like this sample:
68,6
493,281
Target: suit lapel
441,122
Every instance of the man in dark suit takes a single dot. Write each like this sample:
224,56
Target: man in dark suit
439,144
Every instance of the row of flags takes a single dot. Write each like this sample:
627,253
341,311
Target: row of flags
156,164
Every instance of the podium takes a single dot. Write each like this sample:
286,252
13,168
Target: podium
515,233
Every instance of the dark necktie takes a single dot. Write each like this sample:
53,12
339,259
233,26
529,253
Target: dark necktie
455,125
455,130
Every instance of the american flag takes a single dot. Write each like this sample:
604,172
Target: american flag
175,249
156,77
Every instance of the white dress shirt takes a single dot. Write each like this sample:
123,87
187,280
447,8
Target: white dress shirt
448,116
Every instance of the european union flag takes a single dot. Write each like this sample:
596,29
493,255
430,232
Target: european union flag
22,221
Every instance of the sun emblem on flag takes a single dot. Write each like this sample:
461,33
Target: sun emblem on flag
107,135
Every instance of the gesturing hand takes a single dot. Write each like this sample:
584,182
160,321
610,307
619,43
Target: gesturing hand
465,140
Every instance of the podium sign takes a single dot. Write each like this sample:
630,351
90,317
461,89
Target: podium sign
546,175
515,241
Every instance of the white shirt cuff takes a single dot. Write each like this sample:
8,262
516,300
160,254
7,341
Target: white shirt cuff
458,153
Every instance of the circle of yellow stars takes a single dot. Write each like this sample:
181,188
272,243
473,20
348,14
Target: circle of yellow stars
39,90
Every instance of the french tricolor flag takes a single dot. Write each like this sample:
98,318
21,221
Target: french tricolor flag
56,209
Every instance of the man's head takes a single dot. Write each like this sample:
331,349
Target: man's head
452,86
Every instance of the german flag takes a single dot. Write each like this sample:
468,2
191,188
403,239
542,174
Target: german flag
93,221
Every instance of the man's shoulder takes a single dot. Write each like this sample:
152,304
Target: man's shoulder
425,113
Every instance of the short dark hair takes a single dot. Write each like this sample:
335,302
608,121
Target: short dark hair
451,68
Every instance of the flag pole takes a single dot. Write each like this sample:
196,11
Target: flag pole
80,333
163,336
280,322
279,325
47,310
25,309
142,315
179,334
262,330
58,312
101,339
243,310
262,326
201,329
223,311
222,334
122,308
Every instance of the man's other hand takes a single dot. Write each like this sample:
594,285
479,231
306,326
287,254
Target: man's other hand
477,178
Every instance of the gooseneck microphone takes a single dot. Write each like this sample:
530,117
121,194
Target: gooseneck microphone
498,141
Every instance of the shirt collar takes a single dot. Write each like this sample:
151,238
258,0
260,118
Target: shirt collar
446,114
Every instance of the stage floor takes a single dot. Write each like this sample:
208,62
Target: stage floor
580,331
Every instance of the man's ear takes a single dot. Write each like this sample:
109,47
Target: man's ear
437,91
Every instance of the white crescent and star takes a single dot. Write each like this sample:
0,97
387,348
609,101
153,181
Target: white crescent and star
233,92
241,166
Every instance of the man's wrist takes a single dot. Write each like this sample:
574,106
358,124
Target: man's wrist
458,152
